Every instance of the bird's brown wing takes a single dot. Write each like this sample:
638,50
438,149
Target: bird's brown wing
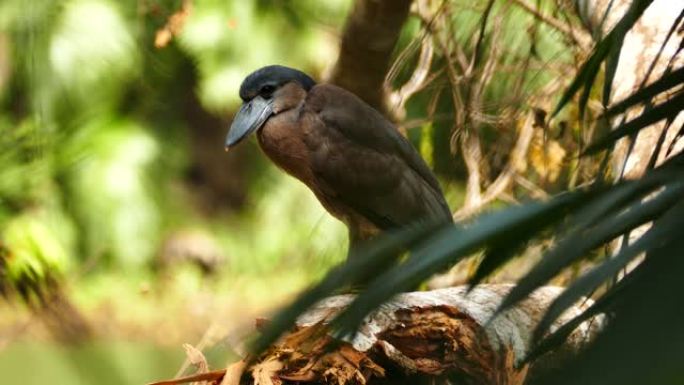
357,155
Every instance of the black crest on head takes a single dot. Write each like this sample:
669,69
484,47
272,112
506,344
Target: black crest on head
274,75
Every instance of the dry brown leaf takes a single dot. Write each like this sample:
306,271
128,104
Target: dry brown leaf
308,339
196,358
546,156
216,375
305,373
266,372
343,376
299,377
173,25
234,373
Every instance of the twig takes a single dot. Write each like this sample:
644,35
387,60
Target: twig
471,151
418,79
480,38
471,146
504,179
536,191
454,79
581,39
487,72
207,338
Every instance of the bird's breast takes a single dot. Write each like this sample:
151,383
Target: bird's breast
281,139
291,140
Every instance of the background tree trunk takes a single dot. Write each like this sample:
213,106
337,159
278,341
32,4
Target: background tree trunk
646,54
370,34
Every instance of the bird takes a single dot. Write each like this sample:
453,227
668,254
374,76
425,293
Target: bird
354,160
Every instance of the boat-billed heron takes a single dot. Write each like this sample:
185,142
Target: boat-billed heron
361,169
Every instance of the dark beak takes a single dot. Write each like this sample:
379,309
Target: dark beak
251,117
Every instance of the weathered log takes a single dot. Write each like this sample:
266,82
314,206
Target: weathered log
436,336
440,333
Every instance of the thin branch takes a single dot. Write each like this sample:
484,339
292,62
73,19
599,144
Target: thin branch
471,151
454,79
471,146
487,70
504,179
535,191
370,34
582,39
480,38
418,79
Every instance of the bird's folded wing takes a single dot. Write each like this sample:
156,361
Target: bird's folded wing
359,156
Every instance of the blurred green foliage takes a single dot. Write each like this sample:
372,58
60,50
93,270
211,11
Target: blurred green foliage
103,363
100,127
101,135
94,140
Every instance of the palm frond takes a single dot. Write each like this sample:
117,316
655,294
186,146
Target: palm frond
608,46
662,111
448,247
577,243
645,341
361,266
668,81
669,226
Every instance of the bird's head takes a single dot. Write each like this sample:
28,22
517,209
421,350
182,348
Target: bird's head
262,92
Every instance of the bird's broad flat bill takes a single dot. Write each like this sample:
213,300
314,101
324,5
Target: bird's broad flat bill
251,116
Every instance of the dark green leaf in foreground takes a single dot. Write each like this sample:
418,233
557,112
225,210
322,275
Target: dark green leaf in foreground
579,242
360,267
668,81
445,248
643,343
618,36
659,112
587,73
668,226
603,204
507,246
601,305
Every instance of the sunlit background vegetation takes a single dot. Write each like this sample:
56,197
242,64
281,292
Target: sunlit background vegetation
127,229
115,191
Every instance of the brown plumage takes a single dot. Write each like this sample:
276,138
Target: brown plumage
359,167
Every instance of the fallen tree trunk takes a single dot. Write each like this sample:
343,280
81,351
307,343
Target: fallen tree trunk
439,336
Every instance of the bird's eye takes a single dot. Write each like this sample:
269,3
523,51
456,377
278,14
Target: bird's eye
267,90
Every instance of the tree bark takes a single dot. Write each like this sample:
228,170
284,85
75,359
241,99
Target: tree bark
419,337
